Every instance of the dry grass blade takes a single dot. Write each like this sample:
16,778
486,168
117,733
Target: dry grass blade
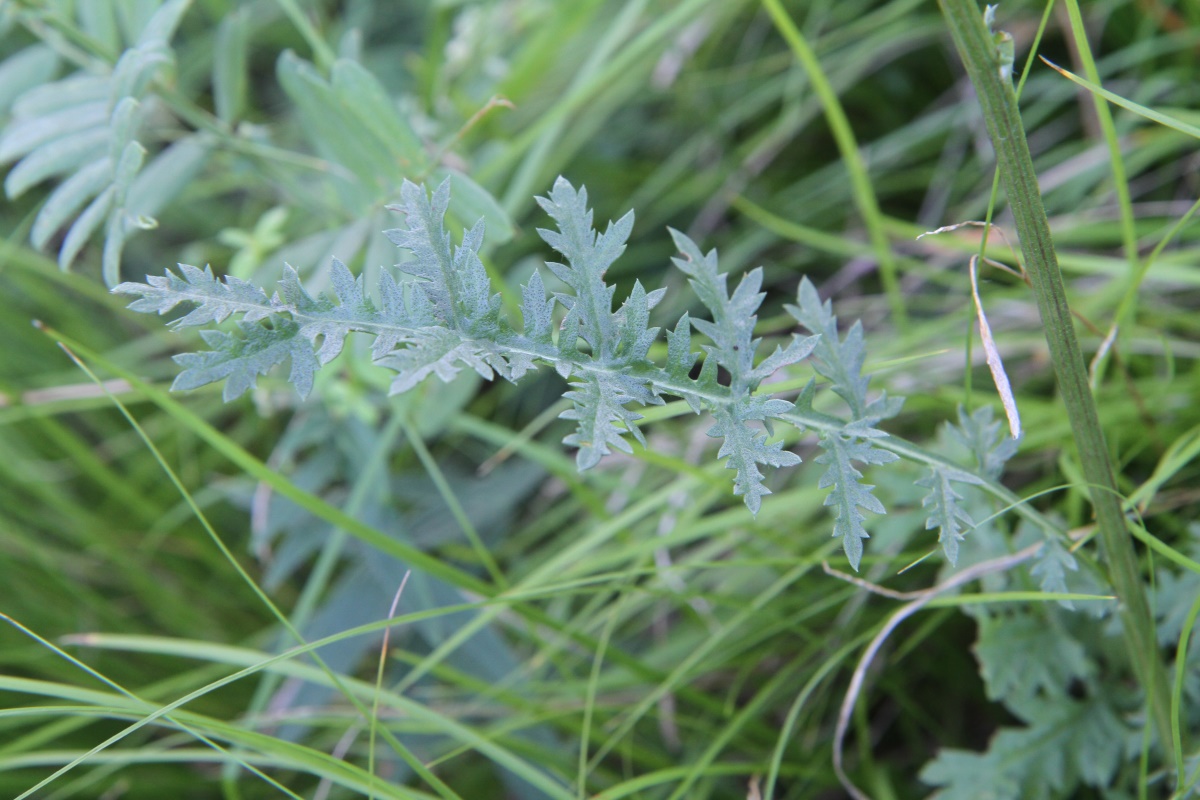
994,362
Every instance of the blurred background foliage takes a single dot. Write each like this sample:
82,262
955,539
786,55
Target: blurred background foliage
688,649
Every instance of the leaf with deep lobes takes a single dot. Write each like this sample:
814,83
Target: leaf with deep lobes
945,513
848,495
240,359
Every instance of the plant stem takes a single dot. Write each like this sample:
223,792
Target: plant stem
1002,116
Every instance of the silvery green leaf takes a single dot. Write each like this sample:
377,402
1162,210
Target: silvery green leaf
538,311
633,337
680,358
589,254
28,68
71,92
67,198
734,347
119,224
87,223
98,19
746,448
680,361
215,300
369,101
945,513
26,135
980,435
135,69
838,360
128,165
56,157
394,311
330,319
229,77
733,318
448,318
438,352
125,119
335,132
1021,657
470,202
848,495
161,25
453,279
601,417
168,174
1051,568
1064,746
240,359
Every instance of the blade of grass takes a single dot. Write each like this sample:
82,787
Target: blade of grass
843,134
253,661
235,758
456,510
1129,105
1181,663
1116,159
400,749
322,52
383,651
991,207
260,471
330,556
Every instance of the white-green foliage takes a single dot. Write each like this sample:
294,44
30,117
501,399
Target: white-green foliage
84,129
733,347
945,513
448,317
980,436
841,361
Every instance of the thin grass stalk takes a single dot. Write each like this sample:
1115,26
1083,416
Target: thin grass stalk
843,134
978,52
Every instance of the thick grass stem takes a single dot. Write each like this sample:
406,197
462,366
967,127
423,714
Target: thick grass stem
977,49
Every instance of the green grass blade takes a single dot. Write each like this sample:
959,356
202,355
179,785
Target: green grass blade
843,134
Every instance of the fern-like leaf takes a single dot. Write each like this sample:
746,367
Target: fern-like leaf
611,375
1051,569
841,360
848,495
733,347
449,318
945,513
452,279
981,435
599,409
746,447
215,300
239,360
589,254
439,351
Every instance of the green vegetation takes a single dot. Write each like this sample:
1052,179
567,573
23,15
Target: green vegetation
311,572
